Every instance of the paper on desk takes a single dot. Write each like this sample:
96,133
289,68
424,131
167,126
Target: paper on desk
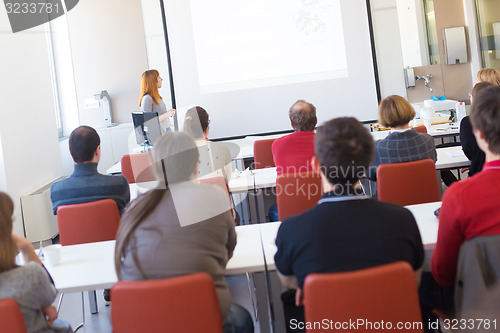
455,154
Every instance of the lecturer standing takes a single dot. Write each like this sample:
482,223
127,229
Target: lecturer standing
151,101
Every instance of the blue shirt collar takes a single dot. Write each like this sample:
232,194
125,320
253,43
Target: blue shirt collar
85,169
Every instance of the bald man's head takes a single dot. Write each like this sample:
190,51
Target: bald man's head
303,116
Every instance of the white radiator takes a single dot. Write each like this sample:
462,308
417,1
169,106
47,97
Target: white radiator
39,222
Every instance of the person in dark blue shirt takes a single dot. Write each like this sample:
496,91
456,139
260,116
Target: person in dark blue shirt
86,184
346,230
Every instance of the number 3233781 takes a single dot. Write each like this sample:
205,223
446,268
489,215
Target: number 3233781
32,8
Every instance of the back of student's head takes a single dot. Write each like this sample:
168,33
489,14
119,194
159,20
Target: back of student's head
8,249
302,115
175,155
344,149
196,122
490,75
395,111
83,143
478,87
485,116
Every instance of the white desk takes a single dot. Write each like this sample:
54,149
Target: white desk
91,266
427,222
115,169
424,215
246,144
437,131
237,184
451,158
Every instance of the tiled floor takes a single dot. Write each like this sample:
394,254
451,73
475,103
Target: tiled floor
71,309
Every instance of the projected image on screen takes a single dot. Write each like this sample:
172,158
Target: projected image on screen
258,43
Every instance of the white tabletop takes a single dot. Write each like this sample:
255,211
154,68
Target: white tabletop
246,144
424,215
85,267
451,157
91,266
248,255
117,168
236,184
265,177
440,130
427,222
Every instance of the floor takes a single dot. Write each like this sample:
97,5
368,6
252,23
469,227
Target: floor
71,308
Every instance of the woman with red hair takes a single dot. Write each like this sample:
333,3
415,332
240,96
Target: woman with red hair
151,101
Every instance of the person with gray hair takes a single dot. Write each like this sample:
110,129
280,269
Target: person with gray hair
180,228
292,153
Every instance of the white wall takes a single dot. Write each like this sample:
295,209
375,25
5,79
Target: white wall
28,130
388,47
109,53
412,32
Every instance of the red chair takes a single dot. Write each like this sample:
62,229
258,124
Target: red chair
217,181
220,182
385,293
88,222
11,317
137,168
421,129
297,192
186,304
408,183
263,154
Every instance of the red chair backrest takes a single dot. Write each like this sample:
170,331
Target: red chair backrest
263,154
185,304
137,168
297,192
421,129
383,293
89,222
408,183
217,181
11,318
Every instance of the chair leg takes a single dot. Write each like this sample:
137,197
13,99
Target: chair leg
93,302
60,302
252,293
83,315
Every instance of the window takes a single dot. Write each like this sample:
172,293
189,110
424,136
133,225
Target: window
63,80
488,18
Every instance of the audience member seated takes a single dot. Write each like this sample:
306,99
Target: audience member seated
346,231
470,207
180,228
292,153
29,285
467,138
215,157
403,144
86,184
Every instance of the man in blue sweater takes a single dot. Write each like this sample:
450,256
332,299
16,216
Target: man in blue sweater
86,184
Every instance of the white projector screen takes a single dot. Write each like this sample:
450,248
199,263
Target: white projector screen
246,62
